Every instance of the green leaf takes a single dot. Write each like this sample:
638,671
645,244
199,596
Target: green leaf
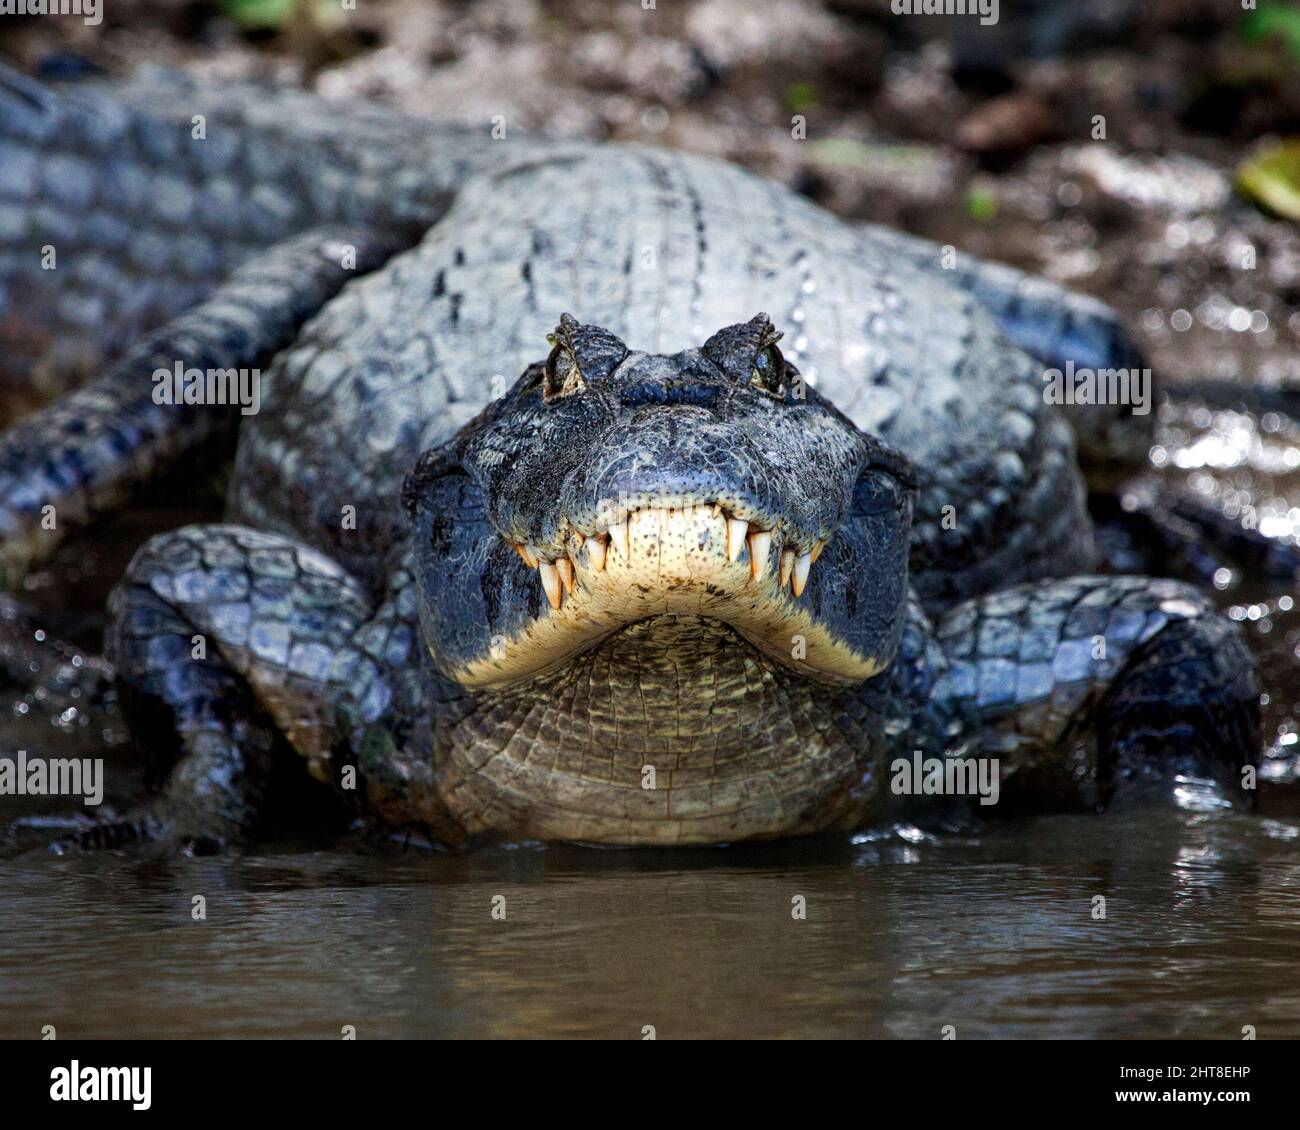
981,204
1280,21
801,96
1272,178
257,15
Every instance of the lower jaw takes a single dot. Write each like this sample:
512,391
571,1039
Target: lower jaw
673,732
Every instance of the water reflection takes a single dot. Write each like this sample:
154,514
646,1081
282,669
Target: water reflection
999,934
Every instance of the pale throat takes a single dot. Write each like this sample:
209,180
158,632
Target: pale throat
673,729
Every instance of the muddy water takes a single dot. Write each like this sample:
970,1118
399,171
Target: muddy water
993,933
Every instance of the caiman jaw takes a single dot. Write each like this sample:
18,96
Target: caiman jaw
557,576
690,560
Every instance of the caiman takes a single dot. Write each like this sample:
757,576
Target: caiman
590,492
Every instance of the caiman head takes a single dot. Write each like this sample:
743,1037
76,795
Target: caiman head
651,576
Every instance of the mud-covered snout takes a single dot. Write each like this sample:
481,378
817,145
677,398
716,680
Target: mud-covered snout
611,487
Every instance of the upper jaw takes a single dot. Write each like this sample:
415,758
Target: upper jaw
672,530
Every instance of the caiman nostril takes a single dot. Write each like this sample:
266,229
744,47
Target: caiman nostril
702,394
666,416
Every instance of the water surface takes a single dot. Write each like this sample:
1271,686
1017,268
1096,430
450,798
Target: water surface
993,933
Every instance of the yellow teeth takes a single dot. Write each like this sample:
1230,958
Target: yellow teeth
551,583
564,567
760,548
737,529
787,566
559,578
621,535
802,564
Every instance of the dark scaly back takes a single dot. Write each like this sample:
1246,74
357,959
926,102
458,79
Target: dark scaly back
145,218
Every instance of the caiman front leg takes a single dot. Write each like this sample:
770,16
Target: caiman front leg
1098,689
233,647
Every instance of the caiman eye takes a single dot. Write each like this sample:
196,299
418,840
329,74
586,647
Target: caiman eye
562,376
768,373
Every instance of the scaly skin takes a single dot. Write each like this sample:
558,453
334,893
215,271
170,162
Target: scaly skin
146,219
591,610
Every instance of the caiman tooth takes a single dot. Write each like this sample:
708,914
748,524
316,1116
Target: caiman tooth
760,548
564,567
817,551
596,550
531,556
551,583
621,535
523,554
802,564
717,509
737,528
787,566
